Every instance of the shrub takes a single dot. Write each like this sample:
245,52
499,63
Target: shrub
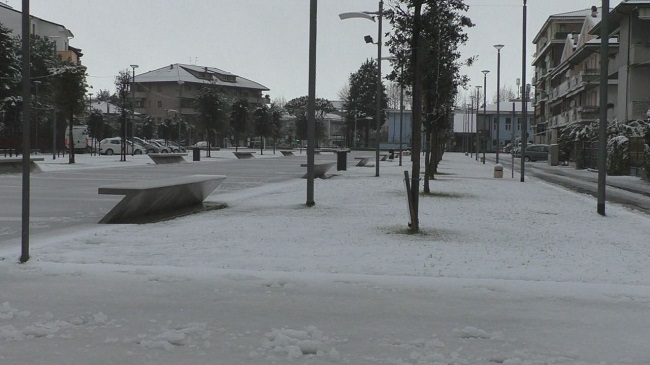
618,156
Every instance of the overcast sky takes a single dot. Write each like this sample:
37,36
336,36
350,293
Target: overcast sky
267,40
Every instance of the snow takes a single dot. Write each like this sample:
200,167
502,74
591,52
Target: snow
502,272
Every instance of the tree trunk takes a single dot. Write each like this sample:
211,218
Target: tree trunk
71,140
416,56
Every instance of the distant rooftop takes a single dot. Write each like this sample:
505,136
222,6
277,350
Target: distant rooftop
182,73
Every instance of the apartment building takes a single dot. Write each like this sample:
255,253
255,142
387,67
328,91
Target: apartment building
171,90
58,34
567,68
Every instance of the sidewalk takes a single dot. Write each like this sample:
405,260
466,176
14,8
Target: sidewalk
500,273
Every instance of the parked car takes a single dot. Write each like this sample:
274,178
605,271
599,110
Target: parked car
202,145
161,147
535,152
148,147
175,147
112,146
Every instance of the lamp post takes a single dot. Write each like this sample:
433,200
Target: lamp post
180,109
485,72
311,102
498,47
524,97
26,162
471,126
602,138
478,105
132,109
36,83
368,15
90,110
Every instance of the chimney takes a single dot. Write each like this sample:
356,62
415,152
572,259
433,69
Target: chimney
594,12
171,67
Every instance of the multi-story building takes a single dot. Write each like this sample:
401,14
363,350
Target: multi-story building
567,73
508,124
172,89
629,22
56,33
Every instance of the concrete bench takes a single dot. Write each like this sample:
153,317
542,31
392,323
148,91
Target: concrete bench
244,154
320,169
287,152
362,160
163,158
15,165
162,198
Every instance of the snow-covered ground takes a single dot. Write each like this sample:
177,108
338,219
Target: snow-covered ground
503,272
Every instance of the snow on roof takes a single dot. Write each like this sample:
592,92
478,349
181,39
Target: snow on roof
187,73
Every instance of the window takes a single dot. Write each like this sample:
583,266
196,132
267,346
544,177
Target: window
508,124
160,103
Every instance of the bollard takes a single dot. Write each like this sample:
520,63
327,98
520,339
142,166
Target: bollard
498,171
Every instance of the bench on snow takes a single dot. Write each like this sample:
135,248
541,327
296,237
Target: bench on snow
15,165
320,169
287,152
362,160
160,197
244,154
163,158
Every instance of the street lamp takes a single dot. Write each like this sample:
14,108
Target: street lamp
478,105
132,109
524,96
180,109
485,72
498,47
369,15
36,83
90,111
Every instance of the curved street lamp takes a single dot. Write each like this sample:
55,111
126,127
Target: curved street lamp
498,47
371,16
485,72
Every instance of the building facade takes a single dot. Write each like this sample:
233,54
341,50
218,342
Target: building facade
58,34
509,125
170,91
567,68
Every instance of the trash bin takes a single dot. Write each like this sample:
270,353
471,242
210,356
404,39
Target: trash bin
498,171
391,154
341,160
196,154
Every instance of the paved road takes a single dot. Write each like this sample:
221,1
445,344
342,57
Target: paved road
625,190
63,198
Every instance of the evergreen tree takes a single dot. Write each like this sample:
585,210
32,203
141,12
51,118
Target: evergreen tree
361,102
212,110
239,120
69,83
298,108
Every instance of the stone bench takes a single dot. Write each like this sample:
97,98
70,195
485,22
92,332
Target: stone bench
244,154
362,160
320,169
15,165
287,152
162,198
163,158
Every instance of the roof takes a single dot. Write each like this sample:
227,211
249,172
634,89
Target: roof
577,15
181,73
7,7
621,10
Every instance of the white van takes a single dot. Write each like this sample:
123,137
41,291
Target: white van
80,137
